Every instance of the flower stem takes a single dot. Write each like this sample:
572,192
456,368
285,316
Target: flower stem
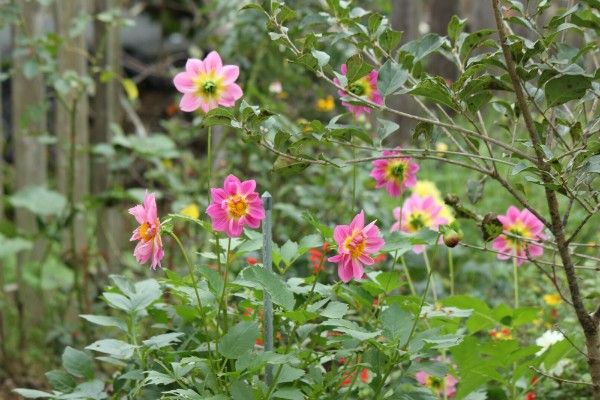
430,273
209,162
195,285
223,301
516,281
451,267
353,182
407,274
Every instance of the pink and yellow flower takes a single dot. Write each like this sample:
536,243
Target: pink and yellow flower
438,385
235,205
356,243
207,84
365,87
519,223
418,213
395,174
149,245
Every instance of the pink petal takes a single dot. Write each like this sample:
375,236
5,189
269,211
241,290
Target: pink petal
358,222
248,186
345,271
150,206
232,92
139,213
184,82
357,269
513,214
213,62
195,67
230,73
190,102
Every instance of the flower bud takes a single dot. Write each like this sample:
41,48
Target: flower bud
452,237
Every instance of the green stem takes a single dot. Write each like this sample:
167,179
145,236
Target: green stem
353,182
195,285
209,162
408,278
451,267
223,301
429,272
516,281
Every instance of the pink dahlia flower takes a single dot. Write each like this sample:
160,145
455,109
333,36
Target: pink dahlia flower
356,242
148,233
365,87
395,174
519,223
418,213
235,205
437,384
207,84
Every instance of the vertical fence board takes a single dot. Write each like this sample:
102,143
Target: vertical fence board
109,227
28,122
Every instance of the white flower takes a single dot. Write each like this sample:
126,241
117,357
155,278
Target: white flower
275,87
547,340
424,27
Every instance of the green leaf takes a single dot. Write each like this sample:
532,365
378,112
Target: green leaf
473,40
563,88
131,89
422,47
239,340
78,363
436,90
39,200
160,341
104,320
60,380
321,56
357,68
335,310
455,27
117,300
290,374
389,280
386,127
391,77
424,129
12,246
33,394
289,251
289,393
280,293
158,378
390,39
114,347
218,116
396,323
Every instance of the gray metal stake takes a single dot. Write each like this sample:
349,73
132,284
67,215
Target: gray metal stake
267,259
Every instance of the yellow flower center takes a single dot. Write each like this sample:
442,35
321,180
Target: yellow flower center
434,382
147,232
518,229
396,169
361,87
355,244
237,206
208,85
418,221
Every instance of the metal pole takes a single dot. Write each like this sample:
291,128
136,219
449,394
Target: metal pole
268,265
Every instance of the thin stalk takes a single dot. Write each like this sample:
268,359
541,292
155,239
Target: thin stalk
407,274
209,162
430,273
195,285
223,301
451,267
516,281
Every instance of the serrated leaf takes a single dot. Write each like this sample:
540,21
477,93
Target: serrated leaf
280,293
78,363
239,340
